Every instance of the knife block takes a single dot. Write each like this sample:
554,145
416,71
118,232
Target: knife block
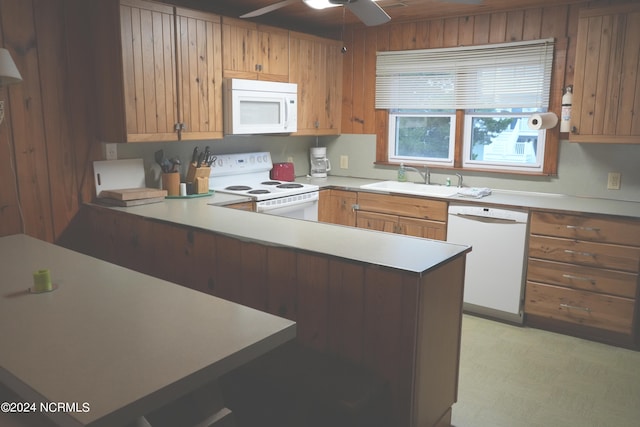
198,177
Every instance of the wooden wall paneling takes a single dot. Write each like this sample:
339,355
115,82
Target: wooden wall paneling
347,83
498,28
253,286
515,26
436,33
49,20
385,310
346,310
81,98
27,119
10,220
313,299
382,118
359,52
228,269
369,98
532,24
465,30
173,258
282,282
422,34
132,244
450,32
205,254
481,25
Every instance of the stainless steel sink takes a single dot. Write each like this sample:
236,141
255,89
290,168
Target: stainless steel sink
412,188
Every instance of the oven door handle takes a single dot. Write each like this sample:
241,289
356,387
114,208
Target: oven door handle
292,206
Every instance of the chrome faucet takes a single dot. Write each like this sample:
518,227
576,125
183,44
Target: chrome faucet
459,180
426,176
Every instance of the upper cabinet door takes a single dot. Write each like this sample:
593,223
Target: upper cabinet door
255,52
199,52
159,72
316,66
149,71
606,99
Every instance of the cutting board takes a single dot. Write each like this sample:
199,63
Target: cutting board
123,180
132,193
118,174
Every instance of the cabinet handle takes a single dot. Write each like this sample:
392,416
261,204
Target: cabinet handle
569,251
575,307
577,227
582,279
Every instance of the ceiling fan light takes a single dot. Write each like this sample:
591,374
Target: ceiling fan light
320,4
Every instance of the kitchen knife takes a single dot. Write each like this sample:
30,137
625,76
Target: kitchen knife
194,156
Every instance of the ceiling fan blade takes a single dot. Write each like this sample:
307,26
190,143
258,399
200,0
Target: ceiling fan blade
270,8
368,12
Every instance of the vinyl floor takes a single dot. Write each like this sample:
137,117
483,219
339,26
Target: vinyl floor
512,376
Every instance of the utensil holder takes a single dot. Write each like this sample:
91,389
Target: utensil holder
171,183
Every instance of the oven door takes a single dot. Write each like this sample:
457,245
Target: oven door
301,206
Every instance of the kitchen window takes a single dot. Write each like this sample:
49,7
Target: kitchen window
422,136
468,106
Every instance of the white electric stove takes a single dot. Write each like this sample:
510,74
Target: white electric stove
247,174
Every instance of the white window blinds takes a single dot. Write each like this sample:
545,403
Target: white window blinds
505,75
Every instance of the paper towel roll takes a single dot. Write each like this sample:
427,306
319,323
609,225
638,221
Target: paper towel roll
543,121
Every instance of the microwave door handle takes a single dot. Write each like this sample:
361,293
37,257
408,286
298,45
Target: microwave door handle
286,112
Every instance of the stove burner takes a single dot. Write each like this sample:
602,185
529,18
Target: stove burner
258,191
271,183
292,185
238,188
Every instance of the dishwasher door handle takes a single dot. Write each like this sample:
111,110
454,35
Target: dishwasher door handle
487,219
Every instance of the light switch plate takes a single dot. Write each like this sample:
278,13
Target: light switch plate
344,162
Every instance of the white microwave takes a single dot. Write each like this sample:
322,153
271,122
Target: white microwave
260,107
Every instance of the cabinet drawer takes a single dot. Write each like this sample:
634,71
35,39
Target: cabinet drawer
626,232
584,278
580,307
422,228
602,255
404,206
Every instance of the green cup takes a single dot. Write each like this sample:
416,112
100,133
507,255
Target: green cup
42,281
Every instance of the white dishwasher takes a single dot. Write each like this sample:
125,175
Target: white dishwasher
495,269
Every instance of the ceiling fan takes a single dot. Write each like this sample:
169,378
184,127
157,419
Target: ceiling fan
366,10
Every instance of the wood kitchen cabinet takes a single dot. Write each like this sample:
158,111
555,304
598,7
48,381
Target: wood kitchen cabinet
253,51
316,65
412,216
338,207
606,97
582,275
159,72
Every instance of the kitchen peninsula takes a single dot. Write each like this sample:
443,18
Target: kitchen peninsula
392,304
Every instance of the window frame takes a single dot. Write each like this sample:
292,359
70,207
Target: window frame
393,157
552,136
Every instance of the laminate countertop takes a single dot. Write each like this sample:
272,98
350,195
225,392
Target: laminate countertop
507,198
404,253
118,342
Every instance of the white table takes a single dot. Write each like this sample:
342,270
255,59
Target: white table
121,342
